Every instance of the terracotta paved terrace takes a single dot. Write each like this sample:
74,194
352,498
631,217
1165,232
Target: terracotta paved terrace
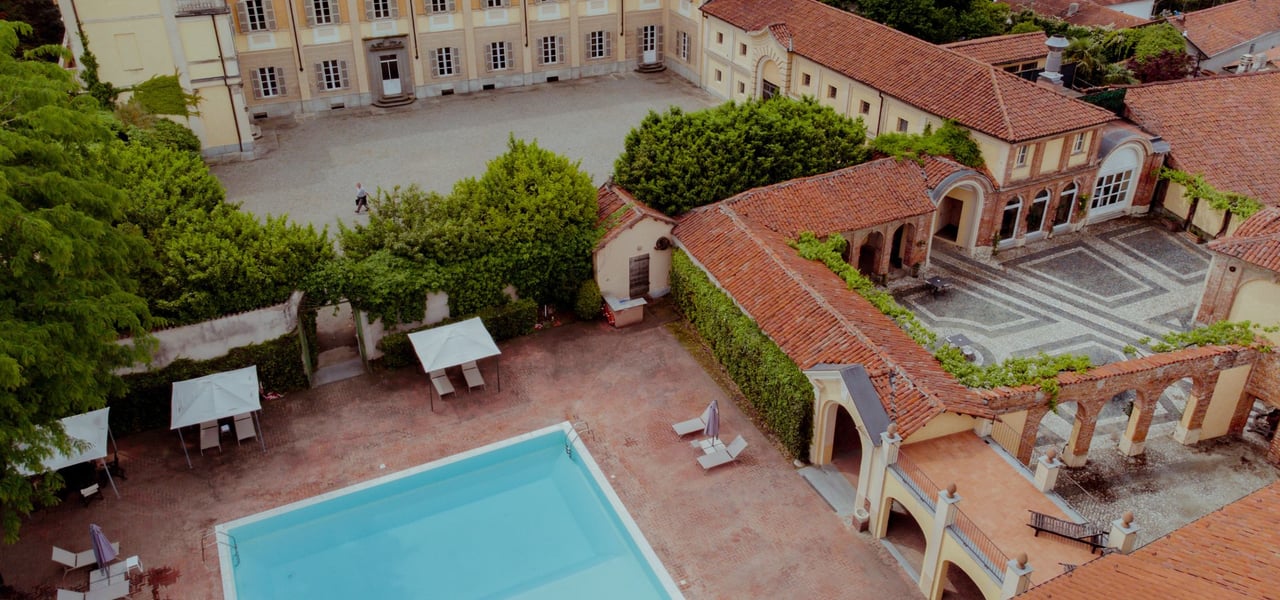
749,530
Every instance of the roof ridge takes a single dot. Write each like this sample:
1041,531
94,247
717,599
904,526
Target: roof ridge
1004,109
751,193
991,39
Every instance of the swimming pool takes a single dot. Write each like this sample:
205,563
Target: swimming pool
519,518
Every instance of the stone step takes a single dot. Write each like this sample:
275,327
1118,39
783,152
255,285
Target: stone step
832,485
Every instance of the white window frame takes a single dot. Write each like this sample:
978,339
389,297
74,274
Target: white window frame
446,62
1111,189
550,50
1041,198
495,3
377,10
322,12
499,58
268,82
1077,146
332,75
1069,195
258,15
1016,206
1020,158
437,7
599,45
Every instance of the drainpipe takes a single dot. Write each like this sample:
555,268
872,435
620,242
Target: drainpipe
524,17
297,42
880,115
231,97
413,27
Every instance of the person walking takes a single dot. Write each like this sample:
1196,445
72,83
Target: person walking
362,198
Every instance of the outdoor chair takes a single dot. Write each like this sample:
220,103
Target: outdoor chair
71,561
210,437
90,493
472,374
725,456
684,428
113,591
440,380
244,427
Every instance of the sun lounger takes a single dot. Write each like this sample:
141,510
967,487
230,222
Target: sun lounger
472,373
244,427
440,380
725,456
210,437
77,560
684,428
112,591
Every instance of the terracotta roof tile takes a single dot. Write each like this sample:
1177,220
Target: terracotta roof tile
935,79
1220,28
1220,127
1003,49
1233,552
617,210
808,310
1256,242
1088,13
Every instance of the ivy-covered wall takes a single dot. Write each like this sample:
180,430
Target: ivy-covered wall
146,403
770,381
503,322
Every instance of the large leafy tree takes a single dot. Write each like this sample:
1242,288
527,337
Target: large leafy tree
939,21
675,161
66,294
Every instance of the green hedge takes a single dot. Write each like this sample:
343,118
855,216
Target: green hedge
146,403
771,382
503,322
589,304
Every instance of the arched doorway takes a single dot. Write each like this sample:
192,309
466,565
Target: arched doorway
1036,215
869,253
906,535
959,209
901,242
1065,208
846,447
957,584
770,80
1009,220
1170,406
1117,178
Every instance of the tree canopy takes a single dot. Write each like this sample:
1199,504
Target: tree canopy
939,21
66,293
528,222
675,161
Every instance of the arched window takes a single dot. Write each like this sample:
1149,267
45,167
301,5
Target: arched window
1009,223
1036,214
1066,206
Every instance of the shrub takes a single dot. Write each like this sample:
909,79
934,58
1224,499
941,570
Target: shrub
503,322
146,404
770,381
589,303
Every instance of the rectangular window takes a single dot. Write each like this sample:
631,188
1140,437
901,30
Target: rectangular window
742,49
1111,189
380,9
719,75
1078,145
682,45
832,91
268,82
719,37
550,50
1021,159
446,62
498,53
805,80
321,12
495,3
599,44
903,125
256,15
864,107
742,88
331,75
441,6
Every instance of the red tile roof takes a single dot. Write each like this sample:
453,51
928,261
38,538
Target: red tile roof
1220,28
1257,241
1003,49
935,79
617,210
808,310
1233,552
853,198
1221,127
1089,14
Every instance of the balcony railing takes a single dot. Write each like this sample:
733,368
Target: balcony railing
201,7
991,558
915,479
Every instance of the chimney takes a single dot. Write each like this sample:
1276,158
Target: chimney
1053,65
1072,9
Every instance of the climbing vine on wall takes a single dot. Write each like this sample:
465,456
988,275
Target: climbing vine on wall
1041,369
1222,333
1197,188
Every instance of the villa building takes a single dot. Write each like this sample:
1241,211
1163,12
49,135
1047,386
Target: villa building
1091,13
1236,37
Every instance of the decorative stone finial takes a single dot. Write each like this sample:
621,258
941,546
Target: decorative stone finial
1051,454
951,489
1022,560
892,429
1127,518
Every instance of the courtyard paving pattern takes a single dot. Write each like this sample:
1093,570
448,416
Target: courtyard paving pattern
309,165
753,529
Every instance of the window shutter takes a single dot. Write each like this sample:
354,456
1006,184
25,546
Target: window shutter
269,10
280,80
368,10
510,58
394,5
242,12
488,57
455,57
435,61
658,41
256,77
451,6
608,44
541,54
342,71
310,7
561,49
320,77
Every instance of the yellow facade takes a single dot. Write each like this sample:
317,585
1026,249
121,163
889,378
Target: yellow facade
940,426
612,259
1226,396
1257,301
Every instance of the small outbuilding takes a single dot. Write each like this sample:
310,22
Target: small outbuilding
633,259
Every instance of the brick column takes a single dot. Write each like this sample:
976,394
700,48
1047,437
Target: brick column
1188,431
1241,416
1135,435
1273,453
1077,451
1030,429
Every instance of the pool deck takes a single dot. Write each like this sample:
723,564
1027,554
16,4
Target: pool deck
748,530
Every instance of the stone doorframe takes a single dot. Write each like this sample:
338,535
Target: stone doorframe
374,48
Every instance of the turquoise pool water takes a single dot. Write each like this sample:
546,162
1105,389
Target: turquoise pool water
517,519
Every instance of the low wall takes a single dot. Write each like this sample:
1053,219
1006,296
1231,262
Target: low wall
372,332
211,339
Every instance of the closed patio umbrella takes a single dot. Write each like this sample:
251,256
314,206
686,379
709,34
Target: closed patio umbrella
712,429
102,550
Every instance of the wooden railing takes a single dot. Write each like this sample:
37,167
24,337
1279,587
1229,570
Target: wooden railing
981,546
